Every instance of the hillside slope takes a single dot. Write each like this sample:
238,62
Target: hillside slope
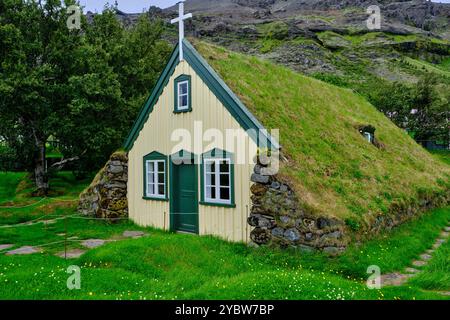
334,170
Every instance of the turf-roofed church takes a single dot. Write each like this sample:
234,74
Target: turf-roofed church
192,185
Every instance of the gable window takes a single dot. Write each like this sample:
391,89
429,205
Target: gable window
183,94
155,176
218,178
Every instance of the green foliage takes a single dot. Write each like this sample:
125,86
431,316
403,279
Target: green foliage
82,87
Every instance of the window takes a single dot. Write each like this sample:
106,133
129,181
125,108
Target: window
155,176
217,179
183,94
368,136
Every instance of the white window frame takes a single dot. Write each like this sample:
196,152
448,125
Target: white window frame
180,95
156,181
217,185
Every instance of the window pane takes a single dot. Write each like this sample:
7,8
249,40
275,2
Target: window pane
161,189
149,166
210,166
161,166
150,189
183,88
210,179
211,192
161,177
224,193
183,101
225,179
224,166
150,177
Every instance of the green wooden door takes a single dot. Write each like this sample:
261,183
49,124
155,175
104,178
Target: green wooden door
184,205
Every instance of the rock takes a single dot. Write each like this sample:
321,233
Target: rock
93,243
425,256
333,250
308,236
275,185
332,235
259,178
71,254
260,236
258,189
251,244
106,197
277,232
283,188
305,248
323,223
5,246
447,229
285,219
292,235
444,234
418,263
394,279
133,234
24,250
412,270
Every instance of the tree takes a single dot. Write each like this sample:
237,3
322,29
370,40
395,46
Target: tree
429,119
82,87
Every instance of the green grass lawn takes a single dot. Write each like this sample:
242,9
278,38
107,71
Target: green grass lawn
181,266
443,155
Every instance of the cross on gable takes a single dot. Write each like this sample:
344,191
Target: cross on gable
180,21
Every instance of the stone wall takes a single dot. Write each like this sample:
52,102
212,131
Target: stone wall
106,197
279,220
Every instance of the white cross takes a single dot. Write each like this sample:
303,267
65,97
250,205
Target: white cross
180,21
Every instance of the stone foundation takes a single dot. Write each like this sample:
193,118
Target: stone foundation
279,220
106,197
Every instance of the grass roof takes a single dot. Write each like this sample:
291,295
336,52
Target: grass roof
334,170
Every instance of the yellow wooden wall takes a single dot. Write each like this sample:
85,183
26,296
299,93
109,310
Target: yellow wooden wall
228,223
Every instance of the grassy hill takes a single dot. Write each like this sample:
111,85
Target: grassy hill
334,170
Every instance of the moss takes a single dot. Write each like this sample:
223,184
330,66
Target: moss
331,167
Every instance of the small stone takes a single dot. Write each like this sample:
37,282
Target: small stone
447,229
251,244
292,234
419,263
394,279
285,219
436,245
133,234
332,250
257,169
444,234
71,254
283,188
305,248
332,235
93,243
277,232
308,236
440,241
23,250
5,246
425,256
412,270
115,169
275,185
259,178
60,234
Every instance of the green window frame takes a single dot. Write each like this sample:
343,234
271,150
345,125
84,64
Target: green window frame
182,94
155,176
217,178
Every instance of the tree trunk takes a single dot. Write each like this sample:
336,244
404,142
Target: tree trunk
40,170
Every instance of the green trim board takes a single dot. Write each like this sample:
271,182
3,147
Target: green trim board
214,154
237,109
177,160
155,155
176,107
